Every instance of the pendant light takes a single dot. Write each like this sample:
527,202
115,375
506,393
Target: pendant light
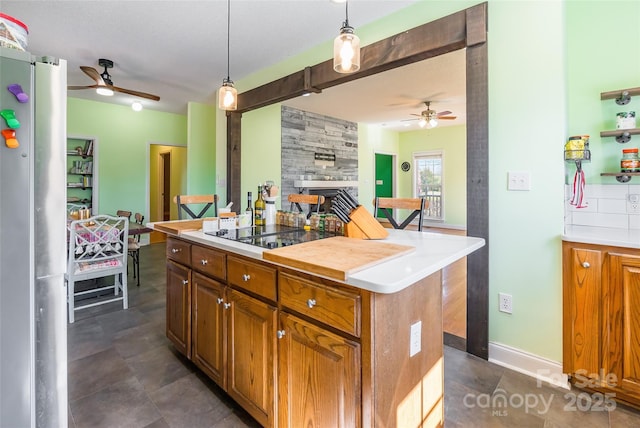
228,94
346,48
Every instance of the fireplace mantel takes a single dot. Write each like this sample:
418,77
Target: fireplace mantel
324,184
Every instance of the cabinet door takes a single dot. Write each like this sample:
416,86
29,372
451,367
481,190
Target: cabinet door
251,343
179,306
318,377
582,316
207,326
622,355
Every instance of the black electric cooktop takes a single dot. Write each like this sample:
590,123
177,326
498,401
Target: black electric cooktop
271,236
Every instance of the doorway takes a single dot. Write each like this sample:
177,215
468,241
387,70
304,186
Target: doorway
384,176
165,186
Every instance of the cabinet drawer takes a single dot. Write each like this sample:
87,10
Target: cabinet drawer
209,262
253,277
179,251
332,306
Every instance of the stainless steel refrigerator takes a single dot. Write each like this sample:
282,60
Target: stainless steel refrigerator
33,326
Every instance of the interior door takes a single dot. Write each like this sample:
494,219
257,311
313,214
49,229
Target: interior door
166,185
384,176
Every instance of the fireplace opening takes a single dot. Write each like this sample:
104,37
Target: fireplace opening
328,194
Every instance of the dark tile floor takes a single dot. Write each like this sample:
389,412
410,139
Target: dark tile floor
123,372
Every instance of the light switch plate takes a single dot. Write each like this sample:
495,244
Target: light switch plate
518,180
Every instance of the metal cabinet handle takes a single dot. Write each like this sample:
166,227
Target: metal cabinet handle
280,334
227,305
220,300
204,262
586,265
185,282
311,303
246,277
176,250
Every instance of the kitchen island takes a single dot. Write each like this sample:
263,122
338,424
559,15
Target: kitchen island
295,347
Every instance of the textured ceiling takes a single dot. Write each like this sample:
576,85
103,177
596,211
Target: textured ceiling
178,51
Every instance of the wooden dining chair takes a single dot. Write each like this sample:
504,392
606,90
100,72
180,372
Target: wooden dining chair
134,249
298,198
183,202
387,205
123,213
97,249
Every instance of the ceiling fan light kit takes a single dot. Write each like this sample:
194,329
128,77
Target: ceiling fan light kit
228,94
346,48
104,85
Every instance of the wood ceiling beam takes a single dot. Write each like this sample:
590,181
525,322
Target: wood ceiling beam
426,41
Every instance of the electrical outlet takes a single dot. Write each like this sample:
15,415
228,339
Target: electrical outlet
518,181
633,204
415,338
505,303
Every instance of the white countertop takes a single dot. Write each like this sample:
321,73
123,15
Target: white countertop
627,238
434,251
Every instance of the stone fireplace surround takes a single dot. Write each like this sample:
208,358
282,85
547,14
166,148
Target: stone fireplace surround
303,135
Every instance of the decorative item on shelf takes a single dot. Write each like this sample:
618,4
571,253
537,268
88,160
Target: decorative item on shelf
630,161
577,150
228,94
626,120
346,48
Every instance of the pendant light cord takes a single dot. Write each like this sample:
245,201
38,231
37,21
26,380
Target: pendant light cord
346,14
228,36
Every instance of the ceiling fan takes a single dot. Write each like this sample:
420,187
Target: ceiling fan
430,117
104,84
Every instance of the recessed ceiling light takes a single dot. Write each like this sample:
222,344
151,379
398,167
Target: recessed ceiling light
136,106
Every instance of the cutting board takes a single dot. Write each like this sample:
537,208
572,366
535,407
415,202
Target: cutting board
178,227
336,257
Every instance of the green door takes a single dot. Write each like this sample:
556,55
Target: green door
384,176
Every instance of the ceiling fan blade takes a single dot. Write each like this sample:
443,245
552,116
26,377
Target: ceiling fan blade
419,115
136,93
93,73
447,117
443,113
82,87
408,120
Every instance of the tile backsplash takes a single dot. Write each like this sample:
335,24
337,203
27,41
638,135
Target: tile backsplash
605,206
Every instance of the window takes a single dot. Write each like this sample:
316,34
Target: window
428,182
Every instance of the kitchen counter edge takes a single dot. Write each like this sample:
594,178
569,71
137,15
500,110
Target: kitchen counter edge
433,251
625,238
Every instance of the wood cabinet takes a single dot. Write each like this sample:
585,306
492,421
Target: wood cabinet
294,349
209,345
601,319
179,306
251,343
318,376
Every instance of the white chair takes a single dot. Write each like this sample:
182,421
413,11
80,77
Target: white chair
97,248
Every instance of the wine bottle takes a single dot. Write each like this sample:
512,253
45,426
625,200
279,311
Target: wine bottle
249,209
258,209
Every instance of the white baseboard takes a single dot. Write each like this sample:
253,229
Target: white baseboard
543,369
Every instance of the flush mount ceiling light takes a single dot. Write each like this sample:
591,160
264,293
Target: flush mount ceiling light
346,48
136,106
228,94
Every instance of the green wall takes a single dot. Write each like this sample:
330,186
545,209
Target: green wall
261,147
601,61
201,156
123,148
